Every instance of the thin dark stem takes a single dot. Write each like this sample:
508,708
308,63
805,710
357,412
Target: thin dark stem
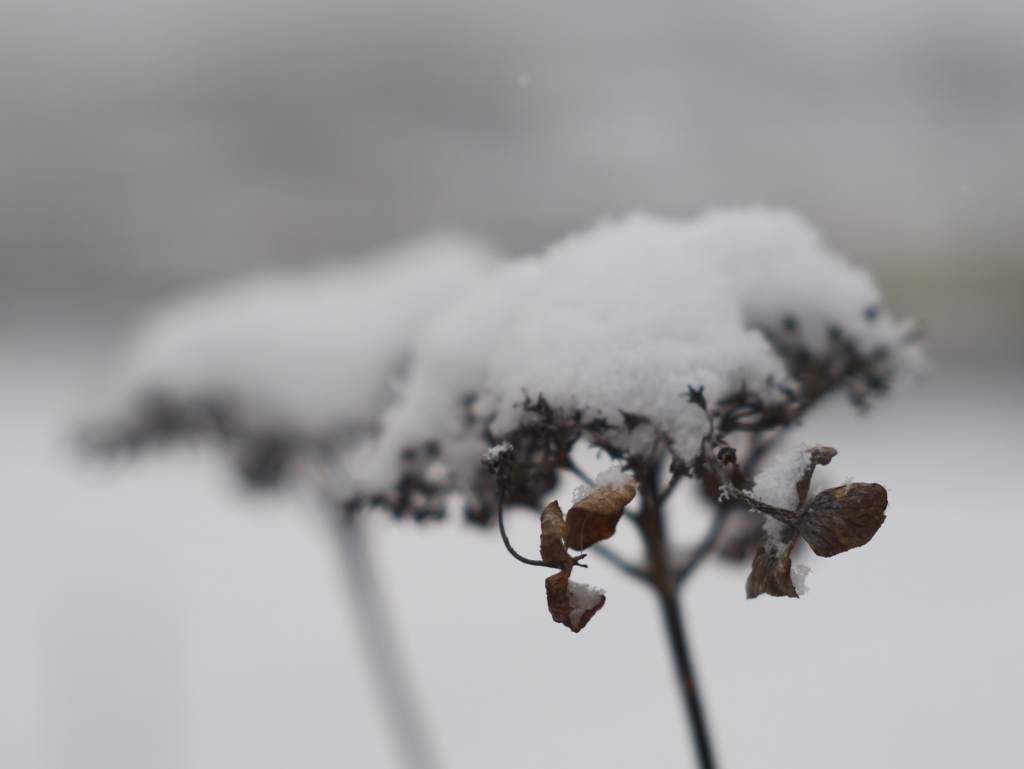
665,584
508,544
687,683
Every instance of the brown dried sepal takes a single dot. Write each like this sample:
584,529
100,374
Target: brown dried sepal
557,586
843,518
570,604
560,591
770,571
595,517
553,531
820,455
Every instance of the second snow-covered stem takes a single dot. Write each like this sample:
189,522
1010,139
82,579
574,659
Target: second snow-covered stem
408,725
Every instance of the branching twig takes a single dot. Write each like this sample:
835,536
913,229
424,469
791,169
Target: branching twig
620,563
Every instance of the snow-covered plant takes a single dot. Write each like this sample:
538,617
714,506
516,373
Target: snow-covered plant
285,366
661,351
288,375
674,350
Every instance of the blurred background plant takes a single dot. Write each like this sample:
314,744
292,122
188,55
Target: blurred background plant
149,148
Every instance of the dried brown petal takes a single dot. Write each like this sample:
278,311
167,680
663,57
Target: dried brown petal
553,531
843,518
571,604
820,455
594,518
585,602
557,586
770,571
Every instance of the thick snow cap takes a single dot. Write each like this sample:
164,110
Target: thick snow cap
312,350
626,317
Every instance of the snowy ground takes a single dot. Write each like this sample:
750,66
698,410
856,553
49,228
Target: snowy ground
152,615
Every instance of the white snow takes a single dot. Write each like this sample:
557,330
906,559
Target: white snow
776,484
494,452
773,542
614,477
440,337
312,349
582,598
798,574
782,270
627,316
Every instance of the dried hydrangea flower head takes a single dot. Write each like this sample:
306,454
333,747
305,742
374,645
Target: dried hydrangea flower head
659,344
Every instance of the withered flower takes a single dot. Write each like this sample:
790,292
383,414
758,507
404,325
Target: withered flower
590,520
833,521
571,604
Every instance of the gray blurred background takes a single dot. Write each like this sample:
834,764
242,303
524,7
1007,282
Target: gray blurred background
146,146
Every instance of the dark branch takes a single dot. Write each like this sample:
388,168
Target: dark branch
508,544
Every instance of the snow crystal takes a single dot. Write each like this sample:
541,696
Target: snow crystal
614,476
582,598
312,349
774,542
776,484
494,453
775,546
798,576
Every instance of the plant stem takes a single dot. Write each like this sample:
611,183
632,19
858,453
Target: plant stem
687,684
665,584
508,542
387,671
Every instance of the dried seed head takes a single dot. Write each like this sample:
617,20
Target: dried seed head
570,603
